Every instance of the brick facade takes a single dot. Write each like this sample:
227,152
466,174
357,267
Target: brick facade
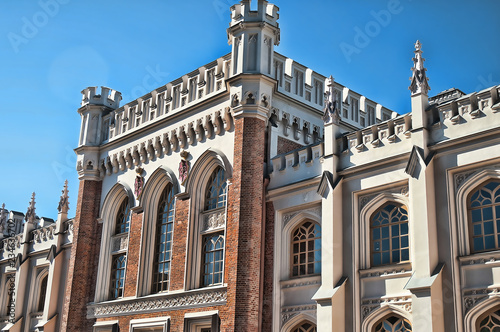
286,145
80,283
134,249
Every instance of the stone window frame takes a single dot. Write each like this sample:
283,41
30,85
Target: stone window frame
365,230
5,296
384,312
195,185
149,201
34,296
479,311
198,321
300,318
106,326
150,324
462,213
109,210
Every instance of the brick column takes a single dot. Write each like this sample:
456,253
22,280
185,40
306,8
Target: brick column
178,265
244,227
82,268
134,248
267,301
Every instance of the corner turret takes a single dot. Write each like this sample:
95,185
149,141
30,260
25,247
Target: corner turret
253,35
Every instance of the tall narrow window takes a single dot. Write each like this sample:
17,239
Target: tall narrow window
318,93
299,83
193,85
42,293
306,249
176,96
484,216
371,114
305,327
117,276
210,81
213,237
393,324
123,218
354,109
389,232
163,241
161,103
213,259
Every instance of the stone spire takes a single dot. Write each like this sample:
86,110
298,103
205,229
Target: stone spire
63,202
30,214
418,79
331,113
3,219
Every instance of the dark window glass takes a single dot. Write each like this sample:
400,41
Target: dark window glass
42,294
484,217
306,249
122,218
117,276
215,196
163,243
212,259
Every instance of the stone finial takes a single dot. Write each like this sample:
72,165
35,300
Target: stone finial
63,206
30,214
3,218
331,113
419,81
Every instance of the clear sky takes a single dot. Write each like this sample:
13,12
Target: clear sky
52,49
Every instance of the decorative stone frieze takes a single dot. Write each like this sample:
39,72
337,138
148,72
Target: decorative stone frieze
471,297
119,242
44,234
154,304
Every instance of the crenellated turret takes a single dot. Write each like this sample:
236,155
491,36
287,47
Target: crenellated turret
253,35
108,97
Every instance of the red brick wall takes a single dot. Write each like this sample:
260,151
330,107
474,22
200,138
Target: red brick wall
286,145
267,308
179,245
134,249
82,269
244,227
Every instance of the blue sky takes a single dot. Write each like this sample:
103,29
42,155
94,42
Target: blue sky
52,49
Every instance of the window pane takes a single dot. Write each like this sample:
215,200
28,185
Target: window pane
306,249
484,213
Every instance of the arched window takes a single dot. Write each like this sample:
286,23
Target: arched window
122,218
484,217
212,244
389,235
117,276
215,195
304,327
42,293
489,322
393,324
306,249
163,241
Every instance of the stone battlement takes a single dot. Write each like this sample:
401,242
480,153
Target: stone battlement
107,97
266,12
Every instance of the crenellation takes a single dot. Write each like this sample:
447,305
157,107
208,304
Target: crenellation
107,97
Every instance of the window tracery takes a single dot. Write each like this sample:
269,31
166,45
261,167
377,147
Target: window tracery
490,323
393,324
306,249
305,327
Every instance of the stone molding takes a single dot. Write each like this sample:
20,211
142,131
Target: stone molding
213,220
472,297
191,299
288,312
365,199
299,283
119,242
461,177
288,216
367,306
44,234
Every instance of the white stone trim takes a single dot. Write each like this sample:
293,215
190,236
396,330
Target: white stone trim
483,305
161,322
291,316
376,315
34,295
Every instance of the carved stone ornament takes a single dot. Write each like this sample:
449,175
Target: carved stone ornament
460,178
473,297
331,113
63,206
214,220
184,167
164,303
288,216
365,199
3,218
289,312
119,242
368,306
139,183
30,213
419,79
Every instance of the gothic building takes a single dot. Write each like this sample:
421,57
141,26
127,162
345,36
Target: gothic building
255,194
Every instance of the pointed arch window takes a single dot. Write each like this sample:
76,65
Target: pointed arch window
484,217
306,249
42,293
389,235
213,236
305,327
393,324
117,276
123,218
490,322
163,240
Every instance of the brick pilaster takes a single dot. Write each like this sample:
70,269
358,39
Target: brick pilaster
244,228
179,245
134,249
267,301
82,268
